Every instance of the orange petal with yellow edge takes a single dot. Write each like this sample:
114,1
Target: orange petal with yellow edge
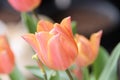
44,26
66,25
88,49
84,50
95,41
84,45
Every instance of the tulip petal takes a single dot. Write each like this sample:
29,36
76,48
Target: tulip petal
61,50
43,38
5,46
6,65
44,26
66,26
31,39
85,50
84,45
88,49
95,41
58,30
6,56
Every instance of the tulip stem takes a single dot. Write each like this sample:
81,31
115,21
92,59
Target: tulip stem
69,74
36,15
35,57
42,69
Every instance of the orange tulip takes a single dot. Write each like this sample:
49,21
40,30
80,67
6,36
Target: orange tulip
54,44
87,49
6,56
24,5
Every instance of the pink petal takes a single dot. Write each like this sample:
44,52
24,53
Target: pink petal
24,5
43,38
62,52
31,39
58,30
5,63
6,56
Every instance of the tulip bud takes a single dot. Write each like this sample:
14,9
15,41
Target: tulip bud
24,5
6,56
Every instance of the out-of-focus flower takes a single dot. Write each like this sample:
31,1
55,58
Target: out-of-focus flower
54,44
6,56
87,49
24,5
78,73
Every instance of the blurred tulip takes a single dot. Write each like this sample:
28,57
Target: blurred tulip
87,49
78,73
54,44
6,56
24,5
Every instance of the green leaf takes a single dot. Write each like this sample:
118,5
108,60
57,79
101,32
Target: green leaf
51,74
63,75
110,68
86,75
16,74
74,29
36,71
92,77
100,62
55,76
30,22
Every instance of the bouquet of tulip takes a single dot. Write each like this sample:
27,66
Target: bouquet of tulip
60,52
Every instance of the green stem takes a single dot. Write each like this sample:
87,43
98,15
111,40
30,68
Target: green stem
42,68
69,74
36,15
86,74
35,57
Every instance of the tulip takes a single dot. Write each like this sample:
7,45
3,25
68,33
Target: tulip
24,5
54,44
87,49
6,56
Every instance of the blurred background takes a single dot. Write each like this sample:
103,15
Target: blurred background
90,15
